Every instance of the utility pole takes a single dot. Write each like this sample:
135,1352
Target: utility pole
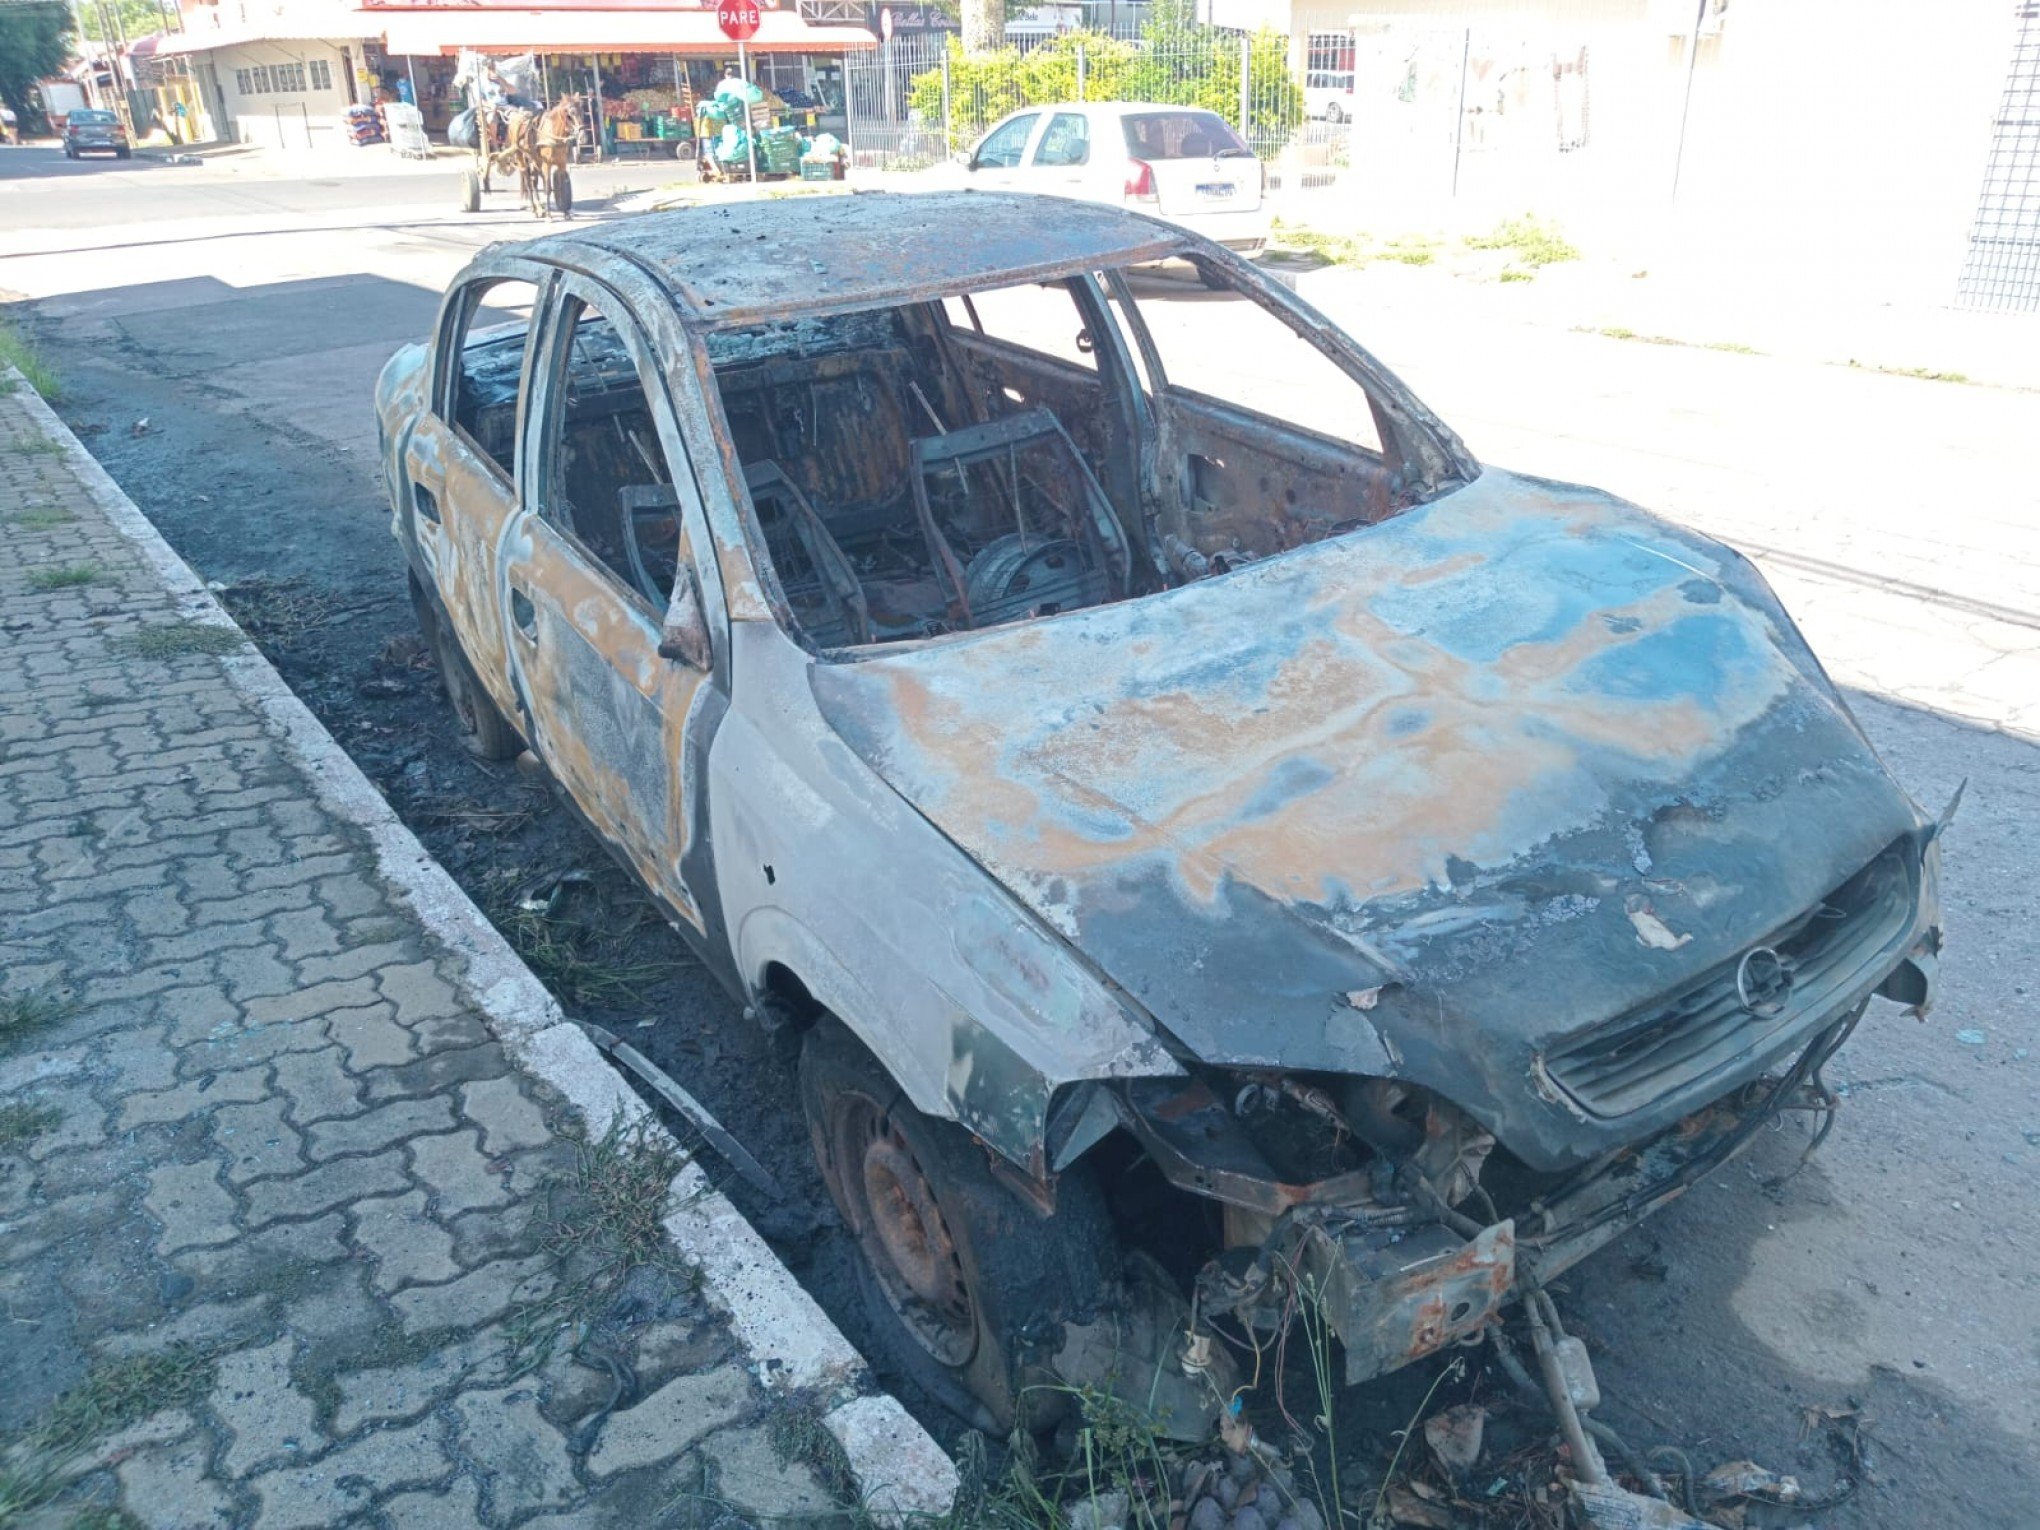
1686,109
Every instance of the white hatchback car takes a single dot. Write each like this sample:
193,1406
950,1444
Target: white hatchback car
1181,163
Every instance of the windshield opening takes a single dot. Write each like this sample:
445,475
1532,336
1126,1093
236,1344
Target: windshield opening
1019,452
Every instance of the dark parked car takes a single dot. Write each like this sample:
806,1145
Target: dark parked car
94,130
1218,855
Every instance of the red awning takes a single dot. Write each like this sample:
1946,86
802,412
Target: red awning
615,31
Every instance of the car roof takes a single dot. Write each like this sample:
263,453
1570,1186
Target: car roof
746,262
1113,108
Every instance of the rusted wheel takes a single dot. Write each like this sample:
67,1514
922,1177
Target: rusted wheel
956,1266
484,731
470,192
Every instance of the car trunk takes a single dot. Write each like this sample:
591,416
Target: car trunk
1197,163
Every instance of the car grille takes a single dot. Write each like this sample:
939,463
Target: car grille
1625,1064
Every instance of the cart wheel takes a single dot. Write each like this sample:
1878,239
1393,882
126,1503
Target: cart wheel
470,191
563,193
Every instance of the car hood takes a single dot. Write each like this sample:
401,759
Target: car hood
1416,800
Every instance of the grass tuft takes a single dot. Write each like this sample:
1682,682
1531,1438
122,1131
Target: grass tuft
1535,242
16,352
176,641
279,611
65,576
20,1123
579,963
21,1013
19,353
1924,374
109,1399
1621,332
42,519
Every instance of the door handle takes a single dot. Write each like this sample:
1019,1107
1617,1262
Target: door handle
523,614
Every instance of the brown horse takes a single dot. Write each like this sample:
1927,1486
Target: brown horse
545,143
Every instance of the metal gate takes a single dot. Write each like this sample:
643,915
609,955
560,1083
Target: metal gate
2003,269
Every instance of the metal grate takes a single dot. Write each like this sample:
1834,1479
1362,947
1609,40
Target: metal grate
2003,269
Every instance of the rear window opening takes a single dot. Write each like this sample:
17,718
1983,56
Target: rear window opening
1014,453
1181,135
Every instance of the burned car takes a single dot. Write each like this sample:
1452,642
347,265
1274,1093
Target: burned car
1217,842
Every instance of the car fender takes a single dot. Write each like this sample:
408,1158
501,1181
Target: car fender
976,1009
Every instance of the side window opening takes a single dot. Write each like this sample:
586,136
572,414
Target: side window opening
611,485
1066,142
1264,367
1272,443
1002,148
495,332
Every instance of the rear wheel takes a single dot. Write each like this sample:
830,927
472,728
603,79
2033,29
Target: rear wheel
470,191
122,153
562,193
966,1283
484,731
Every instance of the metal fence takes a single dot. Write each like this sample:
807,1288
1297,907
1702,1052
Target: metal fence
2003,268
915,101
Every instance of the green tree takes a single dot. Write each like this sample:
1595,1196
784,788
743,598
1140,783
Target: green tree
128,18
34,41
1178,62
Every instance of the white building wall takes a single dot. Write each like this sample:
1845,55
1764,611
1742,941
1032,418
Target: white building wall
1849,134
287,95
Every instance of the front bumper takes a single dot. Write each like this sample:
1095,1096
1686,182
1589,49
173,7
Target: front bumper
1394,1294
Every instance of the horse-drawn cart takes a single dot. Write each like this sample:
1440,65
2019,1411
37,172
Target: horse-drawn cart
531,146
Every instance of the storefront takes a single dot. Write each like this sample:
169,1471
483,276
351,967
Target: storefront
647,65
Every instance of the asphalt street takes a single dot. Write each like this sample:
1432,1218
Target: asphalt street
244,314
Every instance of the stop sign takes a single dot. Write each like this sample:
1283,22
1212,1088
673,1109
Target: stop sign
739,19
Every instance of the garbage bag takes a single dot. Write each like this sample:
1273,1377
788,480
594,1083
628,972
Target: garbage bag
460,131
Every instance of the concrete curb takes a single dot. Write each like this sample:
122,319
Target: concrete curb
789,1344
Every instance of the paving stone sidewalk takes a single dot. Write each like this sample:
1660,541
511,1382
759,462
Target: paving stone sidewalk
287,1237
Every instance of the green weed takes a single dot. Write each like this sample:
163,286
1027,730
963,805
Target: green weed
21,1013
1517,274
577,962
280,611
177,640
1924,374
15,351
1410,250
1620,332
65,576
24,1123
109,1399
1534,242
42,520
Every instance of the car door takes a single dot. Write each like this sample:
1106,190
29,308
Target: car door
1059,160
590,569
997,160
460,462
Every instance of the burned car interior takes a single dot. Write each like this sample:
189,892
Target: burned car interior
915,472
